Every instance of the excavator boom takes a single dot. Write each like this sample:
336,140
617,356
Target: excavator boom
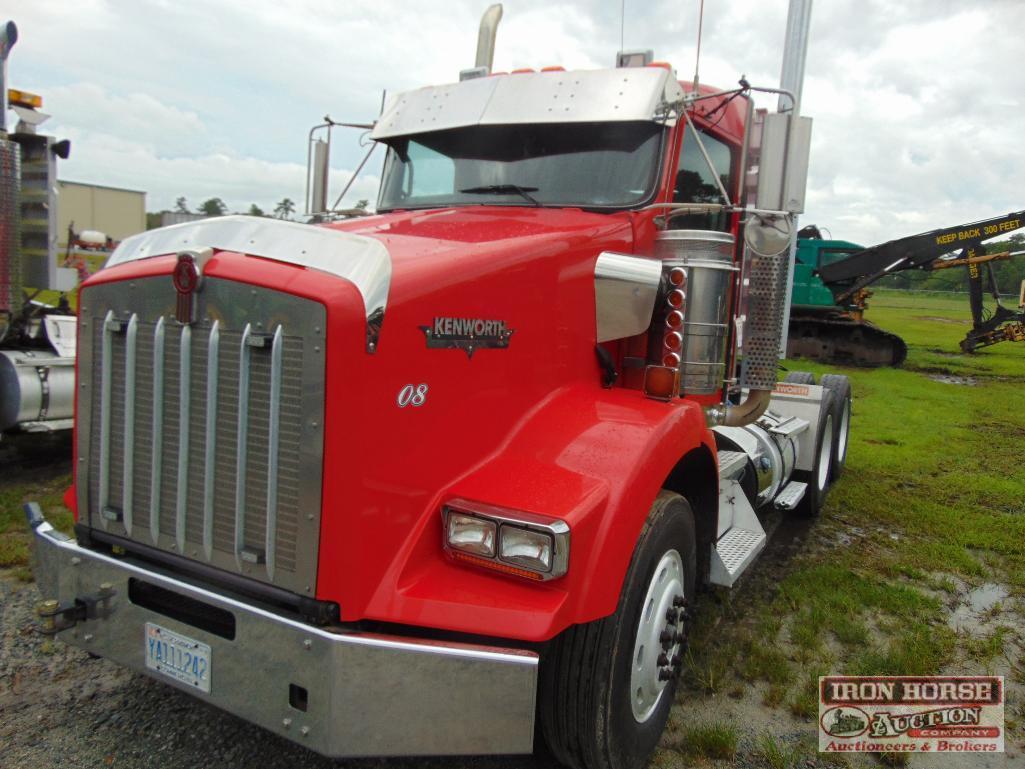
836,332
859,270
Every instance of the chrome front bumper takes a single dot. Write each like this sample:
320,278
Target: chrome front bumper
368,695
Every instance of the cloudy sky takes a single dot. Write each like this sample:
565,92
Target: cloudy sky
917,104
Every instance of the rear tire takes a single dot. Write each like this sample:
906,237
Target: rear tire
799,377
840,386
602,704
818,478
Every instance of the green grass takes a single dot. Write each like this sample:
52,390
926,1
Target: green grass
778,754
933,499
14,535
716,741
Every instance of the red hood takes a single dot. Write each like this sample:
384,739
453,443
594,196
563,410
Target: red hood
483,232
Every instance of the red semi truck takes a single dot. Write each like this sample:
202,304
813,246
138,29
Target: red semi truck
416,482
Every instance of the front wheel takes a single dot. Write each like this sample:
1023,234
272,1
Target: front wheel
607,686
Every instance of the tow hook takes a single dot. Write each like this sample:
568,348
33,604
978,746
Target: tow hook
56,618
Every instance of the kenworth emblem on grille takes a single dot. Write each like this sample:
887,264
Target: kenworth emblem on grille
467,334
186,278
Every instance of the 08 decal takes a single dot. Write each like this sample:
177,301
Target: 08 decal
412,395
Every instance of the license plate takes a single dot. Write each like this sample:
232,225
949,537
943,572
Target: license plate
179,657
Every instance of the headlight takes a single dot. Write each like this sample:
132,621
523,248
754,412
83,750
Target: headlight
525,547
471,534
508,541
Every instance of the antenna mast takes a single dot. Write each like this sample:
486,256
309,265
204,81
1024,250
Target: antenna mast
697,56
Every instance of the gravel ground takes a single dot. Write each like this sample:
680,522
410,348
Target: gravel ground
60,707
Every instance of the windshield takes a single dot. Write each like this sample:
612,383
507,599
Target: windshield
590,165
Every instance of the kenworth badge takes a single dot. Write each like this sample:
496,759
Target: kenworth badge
185,277
467,334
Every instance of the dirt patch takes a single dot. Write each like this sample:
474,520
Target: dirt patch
937,319
951,379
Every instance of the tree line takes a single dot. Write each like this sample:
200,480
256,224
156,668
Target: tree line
1009,273
285,209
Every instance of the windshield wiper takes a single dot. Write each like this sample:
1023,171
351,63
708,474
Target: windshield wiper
505,189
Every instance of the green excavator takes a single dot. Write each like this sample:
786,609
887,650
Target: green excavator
830,291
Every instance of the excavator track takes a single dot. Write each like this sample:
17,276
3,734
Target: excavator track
836,338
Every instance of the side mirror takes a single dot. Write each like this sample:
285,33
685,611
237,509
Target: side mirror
768,237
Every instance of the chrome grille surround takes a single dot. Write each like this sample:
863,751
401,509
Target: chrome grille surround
205,440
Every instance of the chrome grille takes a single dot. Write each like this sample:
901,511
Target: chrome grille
205,440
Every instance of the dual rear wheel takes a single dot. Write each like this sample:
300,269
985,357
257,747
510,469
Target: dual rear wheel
831,439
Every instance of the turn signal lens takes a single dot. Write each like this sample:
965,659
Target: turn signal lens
497,566
471,534
523,547
662,382
673,341
677,277
674,319
676,298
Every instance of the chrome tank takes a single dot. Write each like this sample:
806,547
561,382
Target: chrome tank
772,452
706,258
35,386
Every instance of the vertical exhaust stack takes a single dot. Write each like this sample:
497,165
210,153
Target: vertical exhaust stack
486,37
320,166
8,37
10,196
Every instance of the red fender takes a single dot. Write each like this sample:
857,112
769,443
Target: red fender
593,458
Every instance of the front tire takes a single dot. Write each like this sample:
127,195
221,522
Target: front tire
607,686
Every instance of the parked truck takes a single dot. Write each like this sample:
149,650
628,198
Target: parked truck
418,482
37,338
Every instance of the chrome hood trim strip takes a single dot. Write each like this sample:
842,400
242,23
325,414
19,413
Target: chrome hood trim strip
363,261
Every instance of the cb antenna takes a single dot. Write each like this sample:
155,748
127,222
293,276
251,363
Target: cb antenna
622,24
697,56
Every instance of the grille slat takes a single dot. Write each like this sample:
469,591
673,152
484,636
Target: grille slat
129,436
184,404
106,382
156,461
209,477
203,435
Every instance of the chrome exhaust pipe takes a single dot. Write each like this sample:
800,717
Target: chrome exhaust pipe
8,37
728,415
486,36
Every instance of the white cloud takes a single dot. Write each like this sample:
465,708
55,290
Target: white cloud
238,180
916,104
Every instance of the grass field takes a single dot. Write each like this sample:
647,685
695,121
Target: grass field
930,512
930,509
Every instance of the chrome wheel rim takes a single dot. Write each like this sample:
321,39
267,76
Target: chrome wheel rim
825,453
651,666
845,428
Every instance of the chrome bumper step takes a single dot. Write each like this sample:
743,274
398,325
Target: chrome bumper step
791,496
734,552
